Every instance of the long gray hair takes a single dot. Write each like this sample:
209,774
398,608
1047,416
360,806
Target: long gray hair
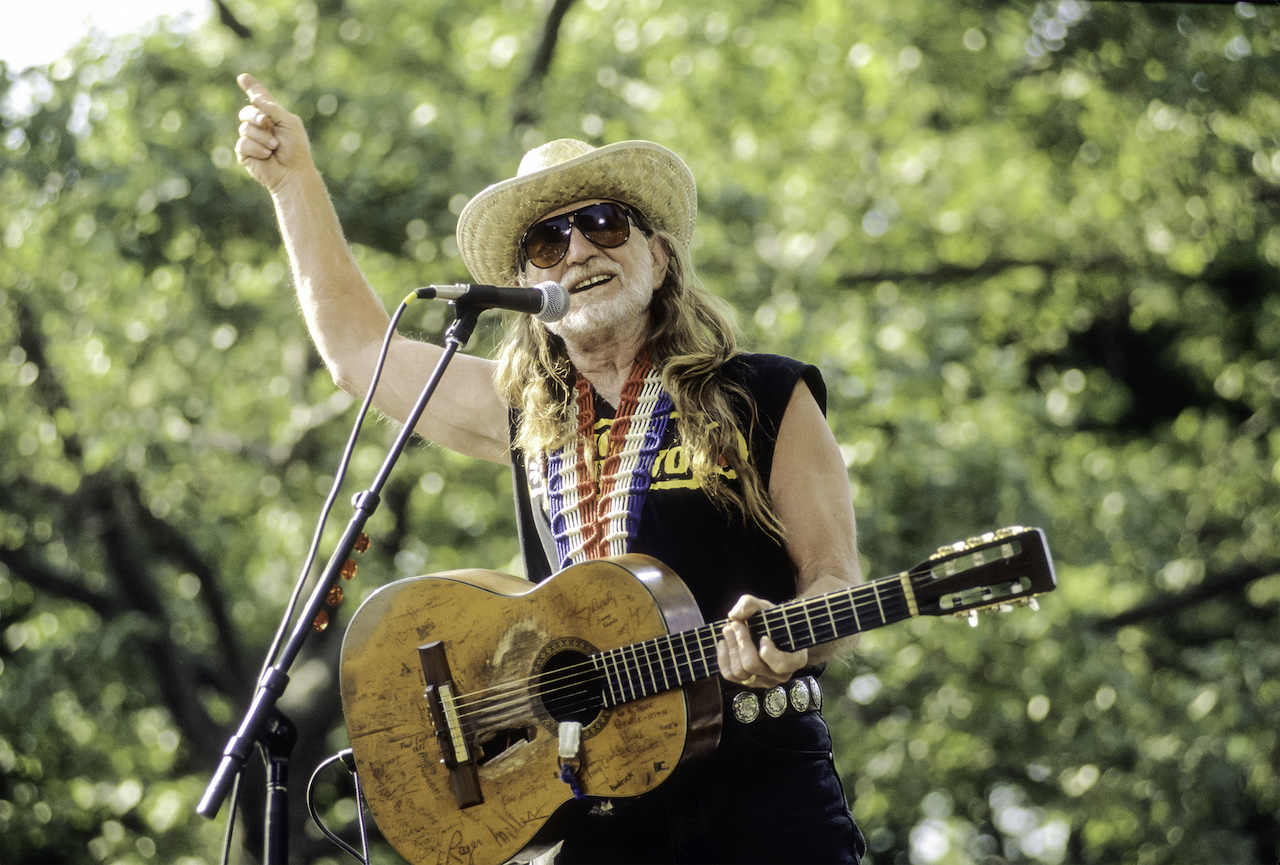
690,340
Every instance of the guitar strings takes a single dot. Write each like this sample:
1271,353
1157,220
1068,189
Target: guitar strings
515,694
839,613
522,697
520,701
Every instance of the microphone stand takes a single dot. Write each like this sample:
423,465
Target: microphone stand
264,724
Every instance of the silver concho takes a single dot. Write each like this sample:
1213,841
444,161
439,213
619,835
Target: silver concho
815,693
775,701
800,695
746,707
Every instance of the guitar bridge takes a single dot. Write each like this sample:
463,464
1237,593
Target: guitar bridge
450,735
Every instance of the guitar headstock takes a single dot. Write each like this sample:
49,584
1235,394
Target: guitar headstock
1005,567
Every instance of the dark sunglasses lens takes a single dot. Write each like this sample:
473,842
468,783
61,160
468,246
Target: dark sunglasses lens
604,224
546,242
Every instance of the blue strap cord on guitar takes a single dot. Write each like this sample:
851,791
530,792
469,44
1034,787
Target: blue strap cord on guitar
567,775
569,754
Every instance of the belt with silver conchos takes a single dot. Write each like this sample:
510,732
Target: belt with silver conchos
802,694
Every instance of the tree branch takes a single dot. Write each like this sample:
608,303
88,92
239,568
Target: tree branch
58,583
525,110
100,494
226,16
179,549
988,268
47,387
1232,582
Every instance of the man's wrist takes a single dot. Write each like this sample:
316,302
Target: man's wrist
298,185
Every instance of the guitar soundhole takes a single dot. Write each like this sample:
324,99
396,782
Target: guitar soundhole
570,689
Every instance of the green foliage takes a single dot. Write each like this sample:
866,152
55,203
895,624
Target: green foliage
1031,246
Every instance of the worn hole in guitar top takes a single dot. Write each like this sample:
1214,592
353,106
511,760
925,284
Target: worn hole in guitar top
498,742
571,689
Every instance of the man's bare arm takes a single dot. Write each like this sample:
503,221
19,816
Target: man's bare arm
346,318
810,493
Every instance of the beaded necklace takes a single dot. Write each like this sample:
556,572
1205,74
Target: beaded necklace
595,507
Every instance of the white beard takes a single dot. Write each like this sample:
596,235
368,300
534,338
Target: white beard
603,320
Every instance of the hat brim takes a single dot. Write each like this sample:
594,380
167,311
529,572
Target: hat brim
645,175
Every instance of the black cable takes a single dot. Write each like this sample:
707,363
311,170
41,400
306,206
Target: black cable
315,815
341,474
231,820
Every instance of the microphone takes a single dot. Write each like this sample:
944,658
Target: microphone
547,300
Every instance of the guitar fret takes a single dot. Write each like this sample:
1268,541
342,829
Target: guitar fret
671,664
688,660
643,669
766,625
606,666
683,661
664,659
630,667
652,660
707,632
875,588
808,619
619,672
634,678
624,683
657,667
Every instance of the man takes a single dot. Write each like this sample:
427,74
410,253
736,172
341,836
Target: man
632,424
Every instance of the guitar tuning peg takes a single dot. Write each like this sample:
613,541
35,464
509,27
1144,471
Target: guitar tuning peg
1004,608
949,549
973,618
1033,603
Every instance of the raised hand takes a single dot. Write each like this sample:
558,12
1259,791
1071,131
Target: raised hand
273,144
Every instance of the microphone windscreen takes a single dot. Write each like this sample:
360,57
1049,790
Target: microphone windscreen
556,305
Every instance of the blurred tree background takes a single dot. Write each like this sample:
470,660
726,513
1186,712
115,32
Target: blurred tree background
1032,246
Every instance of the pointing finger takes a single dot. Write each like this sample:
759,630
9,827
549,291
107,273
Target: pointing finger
251,86
260,97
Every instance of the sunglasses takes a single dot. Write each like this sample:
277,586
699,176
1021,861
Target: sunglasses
606,224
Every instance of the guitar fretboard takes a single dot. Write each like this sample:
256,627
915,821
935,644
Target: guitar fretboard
673,660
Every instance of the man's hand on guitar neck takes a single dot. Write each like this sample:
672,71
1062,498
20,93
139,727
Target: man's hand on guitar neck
744,663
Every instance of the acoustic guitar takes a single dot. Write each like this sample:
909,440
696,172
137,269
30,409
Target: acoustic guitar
457,686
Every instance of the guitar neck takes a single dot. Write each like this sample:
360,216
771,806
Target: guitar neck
808,622
674,660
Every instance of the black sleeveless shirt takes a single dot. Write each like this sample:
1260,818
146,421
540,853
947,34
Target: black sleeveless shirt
719,555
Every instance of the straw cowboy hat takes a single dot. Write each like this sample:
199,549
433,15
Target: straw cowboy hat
645,175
